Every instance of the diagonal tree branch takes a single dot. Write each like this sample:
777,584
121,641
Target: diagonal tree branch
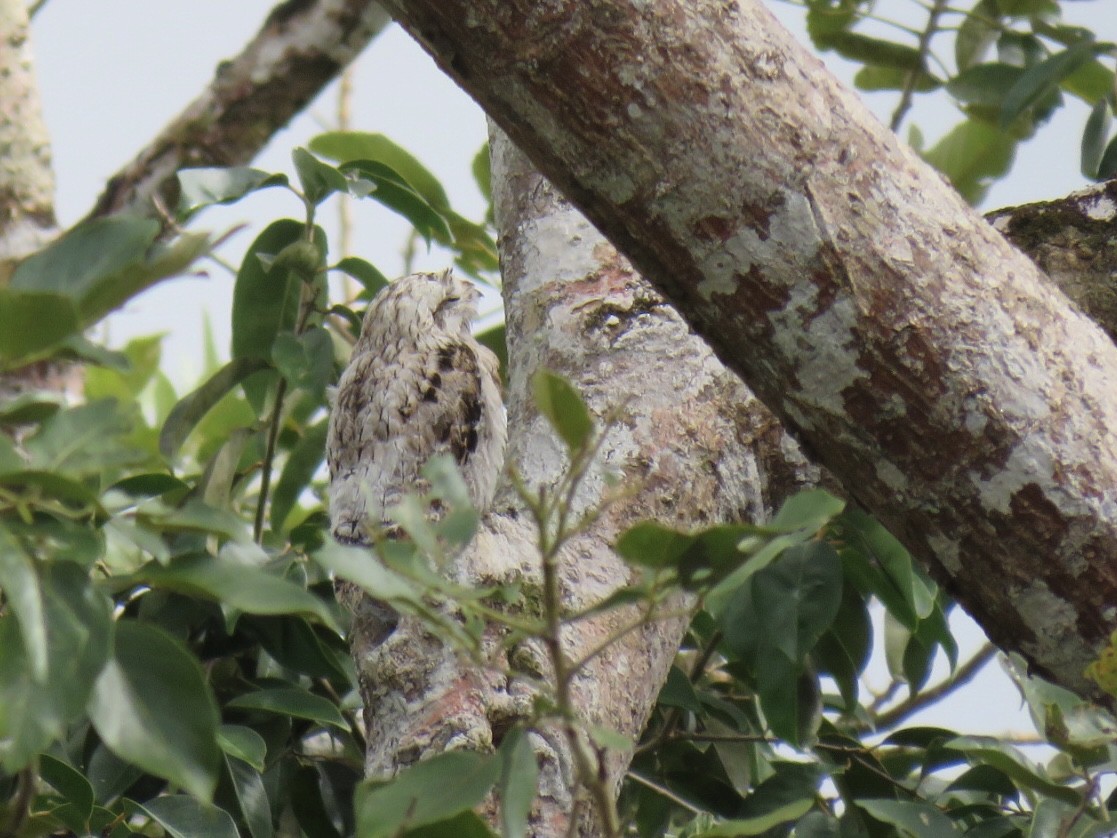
951,388
301,47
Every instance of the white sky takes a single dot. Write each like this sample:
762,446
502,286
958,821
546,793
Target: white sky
113,72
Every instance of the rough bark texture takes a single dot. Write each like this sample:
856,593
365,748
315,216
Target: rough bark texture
928,364
697,445
26,177
1074,240
301,47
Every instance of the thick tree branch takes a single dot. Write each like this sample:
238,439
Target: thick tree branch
301,47
929,365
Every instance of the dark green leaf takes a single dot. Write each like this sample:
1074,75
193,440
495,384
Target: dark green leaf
1095,136
251,797
188,412
318,179
20,585
678,691
265,302
1043,79
204,187
759,825
348,146
972,155
976,34
797,597
185,817
563,408
364,272
79,627
651,544
302,463
243,743
1107,168
291,701
985,84
461,778
875,52
372,179
914,817
482,172
305,792
462,825
242,586
152,707
1005,758
519,776
34,321
72,786
891,78
496,339
149,485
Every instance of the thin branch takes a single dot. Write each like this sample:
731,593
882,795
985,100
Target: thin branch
915,75
961,676
300,48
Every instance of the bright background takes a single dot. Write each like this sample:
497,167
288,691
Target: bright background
114,72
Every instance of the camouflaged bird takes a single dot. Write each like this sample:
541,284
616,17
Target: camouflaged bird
418,384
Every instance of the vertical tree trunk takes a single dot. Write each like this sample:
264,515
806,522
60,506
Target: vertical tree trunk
695,446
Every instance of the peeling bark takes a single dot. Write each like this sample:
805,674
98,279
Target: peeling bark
928,364
697,445
301,47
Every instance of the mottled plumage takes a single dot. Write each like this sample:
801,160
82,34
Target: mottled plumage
418,385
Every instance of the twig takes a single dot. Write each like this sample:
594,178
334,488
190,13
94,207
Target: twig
915,75
961,676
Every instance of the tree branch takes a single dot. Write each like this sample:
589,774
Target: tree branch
301,47
928,364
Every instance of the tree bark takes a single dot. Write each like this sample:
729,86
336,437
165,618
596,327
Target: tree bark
699,448
928,364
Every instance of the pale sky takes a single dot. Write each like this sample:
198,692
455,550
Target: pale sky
113,72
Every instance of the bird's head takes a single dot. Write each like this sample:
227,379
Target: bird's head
422,303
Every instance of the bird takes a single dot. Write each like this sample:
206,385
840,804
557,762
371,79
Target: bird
418,384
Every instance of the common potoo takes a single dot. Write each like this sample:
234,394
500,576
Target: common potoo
418,384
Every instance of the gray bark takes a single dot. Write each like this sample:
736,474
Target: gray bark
950,387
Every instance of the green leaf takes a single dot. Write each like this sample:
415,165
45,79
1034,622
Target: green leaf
1005,758
306,360
252,798
265,301
759,825
203,187
563,408
519,777
243,743
185,817
976,34
79,629
34,321
797,598
20,586
318,179
240,585
364,272
291,701
809,510
481,169
305,793
372,179
1090,82
1043,79
1107,168
650,544
348,146
972,155
915,818
152,707
496,339
985,84
302,464
431,791
190,410
1094,137
891,78
73,787
863,49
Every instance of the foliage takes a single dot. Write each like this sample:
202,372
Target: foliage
1012,62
